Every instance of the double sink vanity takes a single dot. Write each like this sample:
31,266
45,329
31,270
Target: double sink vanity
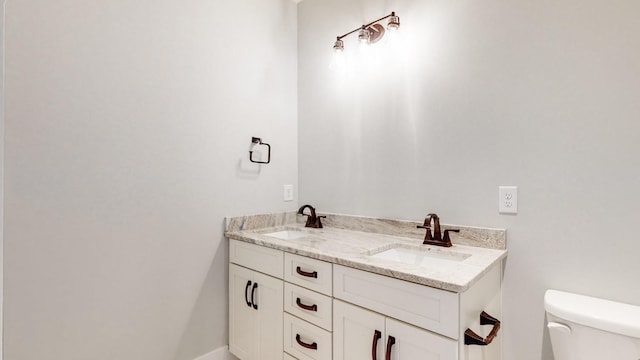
362,288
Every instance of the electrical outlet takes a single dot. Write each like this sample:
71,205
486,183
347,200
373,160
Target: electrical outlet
287,192
508,199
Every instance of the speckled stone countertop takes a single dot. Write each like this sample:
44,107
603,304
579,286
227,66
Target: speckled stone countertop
351,240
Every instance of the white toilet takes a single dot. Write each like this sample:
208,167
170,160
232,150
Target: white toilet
587,328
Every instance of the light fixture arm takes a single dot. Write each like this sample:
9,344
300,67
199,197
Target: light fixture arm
366,25
349,33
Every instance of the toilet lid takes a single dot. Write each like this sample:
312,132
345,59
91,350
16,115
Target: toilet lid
611,316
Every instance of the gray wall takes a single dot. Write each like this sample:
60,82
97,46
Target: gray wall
128,125
476,94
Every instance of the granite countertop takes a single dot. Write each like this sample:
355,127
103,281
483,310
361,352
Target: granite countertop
344,246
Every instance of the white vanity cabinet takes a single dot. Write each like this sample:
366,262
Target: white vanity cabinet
287,306
255,302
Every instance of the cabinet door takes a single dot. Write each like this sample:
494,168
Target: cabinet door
255,314
241,315
410,342
355,330
269,298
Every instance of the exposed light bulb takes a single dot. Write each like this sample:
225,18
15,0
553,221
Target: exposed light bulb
394,22
364,36
338,46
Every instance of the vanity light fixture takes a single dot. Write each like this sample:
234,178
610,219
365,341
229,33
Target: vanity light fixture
370,33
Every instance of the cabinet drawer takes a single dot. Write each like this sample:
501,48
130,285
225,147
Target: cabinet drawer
309,273
308,305
288,357
306,341
423,306
259,258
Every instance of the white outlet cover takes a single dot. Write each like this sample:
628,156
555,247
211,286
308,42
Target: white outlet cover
508,199
287,192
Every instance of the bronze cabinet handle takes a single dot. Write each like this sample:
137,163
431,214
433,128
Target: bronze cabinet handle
253,292
313,307
377,335
246,289
390,342
471,338
313,346
307,274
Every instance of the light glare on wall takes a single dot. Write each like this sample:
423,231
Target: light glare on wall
370,33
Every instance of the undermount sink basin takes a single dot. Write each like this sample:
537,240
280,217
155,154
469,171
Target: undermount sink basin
287,234
420,256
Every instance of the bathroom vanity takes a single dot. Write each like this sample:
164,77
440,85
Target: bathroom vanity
360,288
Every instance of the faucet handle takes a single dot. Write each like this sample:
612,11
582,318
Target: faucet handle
314,221
446,237
427,236
426,224
431,218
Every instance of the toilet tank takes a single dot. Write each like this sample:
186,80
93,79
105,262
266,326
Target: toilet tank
587,328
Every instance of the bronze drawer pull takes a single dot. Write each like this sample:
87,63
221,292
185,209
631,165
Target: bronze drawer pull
471,338
377,335
253,292
313,346
390,343
307,274
313,307
246,290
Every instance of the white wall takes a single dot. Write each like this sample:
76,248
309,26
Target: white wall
1,169
476,94
128,125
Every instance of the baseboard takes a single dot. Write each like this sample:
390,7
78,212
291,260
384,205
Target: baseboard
218,354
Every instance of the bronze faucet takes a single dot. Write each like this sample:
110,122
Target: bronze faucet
437,238
313,221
